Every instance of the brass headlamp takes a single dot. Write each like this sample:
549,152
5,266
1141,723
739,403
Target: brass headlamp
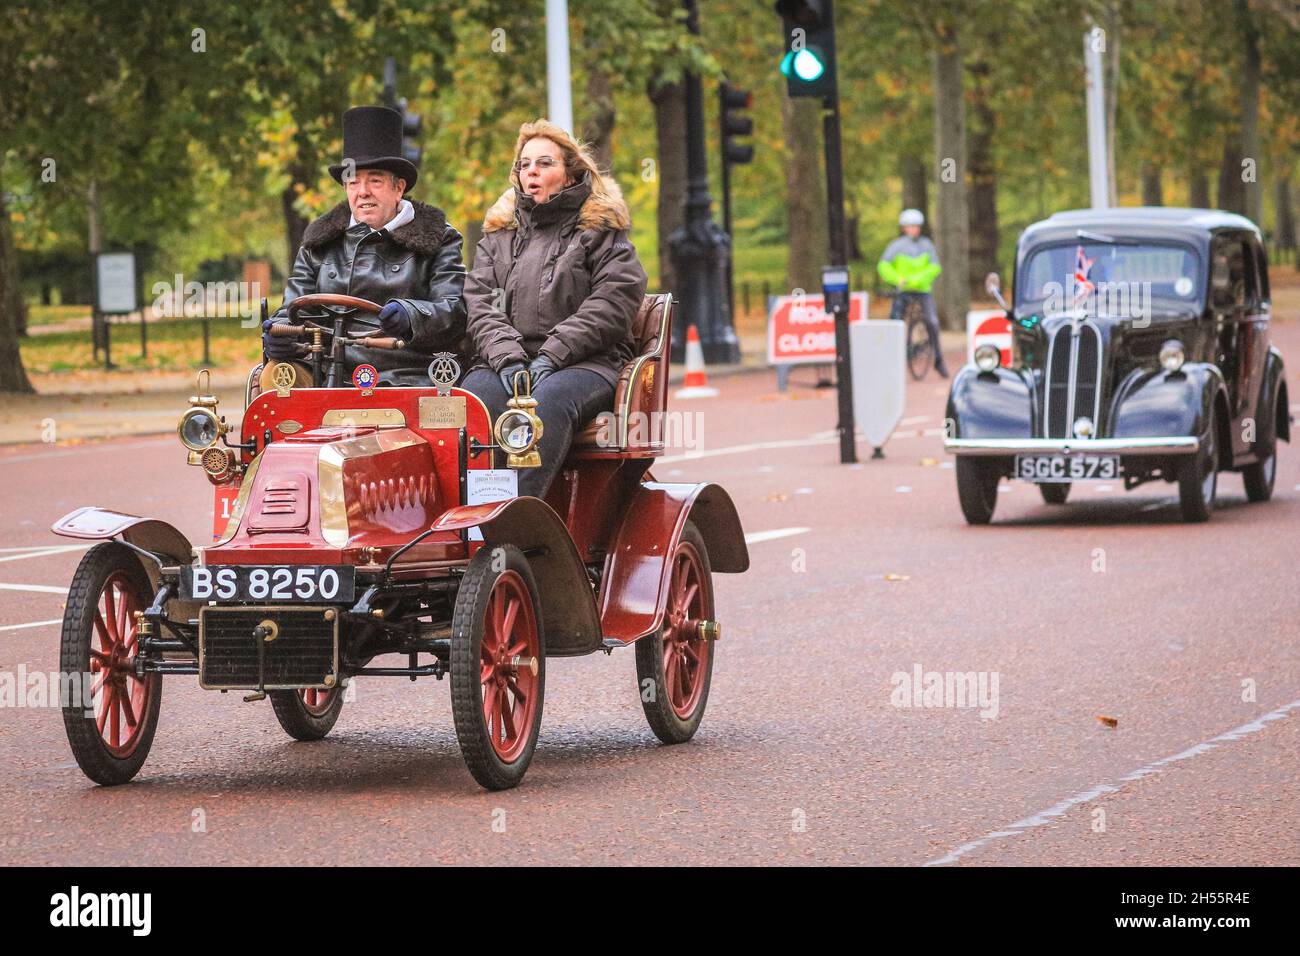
200,428
518,430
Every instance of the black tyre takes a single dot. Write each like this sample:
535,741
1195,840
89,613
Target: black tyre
1260,476
307,714
674,666
1054,492
110,734
1198,475
977,489
498,666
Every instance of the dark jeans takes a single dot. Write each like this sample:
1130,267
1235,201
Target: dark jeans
931,321
566,401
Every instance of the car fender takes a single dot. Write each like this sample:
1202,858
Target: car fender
157,537
996,404
1160,404
634,592
563,588
1275,377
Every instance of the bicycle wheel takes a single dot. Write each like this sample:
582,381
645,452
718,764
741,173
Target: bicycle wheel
920,356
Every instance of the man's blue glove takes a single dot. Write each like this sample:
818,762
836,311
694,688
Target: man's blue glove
281,348
395,320
508,374
541,367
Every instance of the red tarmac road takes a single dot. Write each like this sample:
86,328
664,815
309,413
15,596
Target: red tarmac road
1107,606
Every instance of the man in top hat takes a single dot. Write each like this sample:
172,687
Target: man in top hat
378,245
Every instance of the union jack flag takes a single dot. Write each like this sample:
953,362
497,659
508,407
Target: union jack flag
1083,286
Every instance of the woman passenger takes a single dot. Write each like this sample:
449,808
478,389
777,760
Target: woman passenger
555,286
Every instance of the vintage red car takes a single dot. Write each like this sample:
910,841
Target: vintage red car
346,533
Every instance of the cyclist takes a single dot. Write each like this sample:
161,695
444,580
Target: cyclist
910,264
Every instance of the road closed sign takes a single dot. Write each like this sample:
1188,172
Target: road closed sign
988,327
800,331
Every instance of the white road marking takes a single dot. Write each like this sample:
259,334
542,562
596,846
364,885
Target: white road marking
99,447
904,489
45,552
19,627
40,588
754,537
914,420
741,449
1052,814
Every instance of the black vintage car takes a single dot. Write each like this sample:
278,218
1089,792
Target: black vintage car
1140,351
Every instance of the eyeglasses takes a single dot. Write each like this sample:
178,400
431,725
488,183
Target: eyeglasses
543,162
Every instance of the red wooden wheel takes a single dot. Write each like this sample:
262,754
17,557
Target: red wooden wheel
498,666
509,690
686,654
111,730
119,697
675,665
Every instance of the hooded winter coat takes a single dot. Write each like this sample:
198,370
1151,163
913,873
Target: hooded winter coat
419,264
560,277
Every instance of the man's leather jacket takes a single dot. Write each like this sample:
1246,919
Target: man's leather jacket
418,264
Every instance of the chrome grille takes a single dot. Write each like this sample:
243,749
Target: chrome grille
1073,382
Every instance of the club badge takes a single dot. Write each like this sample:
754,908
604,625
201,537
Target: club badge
365,377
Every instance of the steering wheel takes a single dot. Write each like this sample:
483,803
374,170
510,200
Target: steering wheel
299,323
326,299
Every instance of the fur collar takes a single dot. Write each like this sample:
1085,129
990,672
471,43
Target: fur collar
605,208
423,235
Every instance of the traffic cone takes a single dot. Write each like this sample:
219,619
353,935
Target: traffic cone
696,383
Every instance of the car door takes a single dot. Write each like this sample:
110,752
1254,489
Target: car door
1231,275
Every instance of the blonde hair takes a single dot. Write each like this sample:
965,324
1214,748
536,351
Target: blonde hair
577,154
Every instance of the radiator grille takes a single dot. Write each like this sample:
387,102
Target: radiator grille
302,655
1072,364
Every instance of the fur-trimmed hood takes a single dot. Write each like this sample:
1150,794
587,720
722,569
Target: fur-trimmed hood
605,208
422,235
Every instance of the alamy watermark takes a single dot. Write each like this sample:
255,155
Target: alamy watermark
949,689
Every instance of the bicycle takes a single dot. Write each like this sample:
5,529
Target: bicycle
920,350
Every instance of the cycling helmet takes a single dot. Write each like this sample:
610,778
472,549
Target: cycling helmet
911,217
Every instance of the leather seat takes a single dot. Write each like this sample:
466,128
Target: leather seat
641,395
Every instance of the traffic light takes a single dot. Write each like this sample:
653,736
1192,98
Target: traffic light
411,123
809,61
733,123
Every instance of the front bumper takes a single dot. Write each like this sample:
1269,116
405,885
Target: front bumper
993,447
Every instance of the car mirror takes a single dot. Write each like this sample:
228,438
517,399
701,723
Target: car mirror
993,286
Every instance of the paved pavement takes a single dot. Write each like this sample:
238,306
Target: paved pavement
1109,606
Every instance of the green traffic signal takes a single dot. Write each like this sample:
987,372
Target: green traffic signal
806,65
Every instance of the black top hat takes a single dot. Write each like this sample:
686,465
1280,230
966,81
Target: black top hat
372,139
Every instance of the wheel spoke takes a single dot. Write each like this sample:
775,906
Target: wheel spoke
507,717
689,597
489,710
101,719
123,612
101,628
508,623
110,615
520,696
670,672
127,710
115,720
